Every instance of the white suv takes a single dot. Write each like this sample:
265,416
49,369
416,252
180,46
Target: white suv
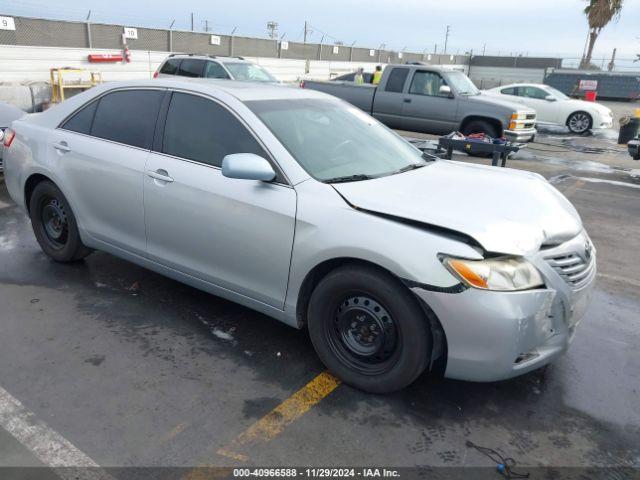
210,66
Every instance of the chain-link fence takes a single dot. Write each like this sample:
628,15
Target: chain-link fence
56,33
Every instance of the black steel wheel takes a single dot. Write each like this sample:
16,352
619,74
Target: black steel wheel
368,329
54,224
364,335
54,221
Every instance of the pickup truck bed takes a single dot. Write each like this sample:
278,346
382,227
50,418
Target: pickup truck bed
430,99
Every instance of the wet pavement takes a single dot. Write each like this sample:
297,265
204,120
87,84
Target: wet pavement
135,369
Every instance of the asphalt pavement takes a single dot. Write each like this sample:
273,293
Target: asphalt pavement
130,368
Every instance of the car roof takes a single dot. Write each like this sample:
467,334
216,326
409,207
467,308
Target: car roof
222,59
522,85
243,91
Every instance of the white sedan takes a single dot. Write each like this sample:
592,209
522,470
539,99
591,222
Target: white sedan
555,108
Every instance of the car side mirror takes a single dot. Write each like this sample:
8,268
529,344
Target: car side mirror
550,98
445,91
247,166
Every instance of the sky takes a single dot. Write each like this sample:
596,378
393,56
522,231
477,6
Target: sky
538,27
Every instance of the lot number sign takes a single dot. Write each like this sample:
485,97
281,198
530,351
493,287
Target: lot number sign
7,23
131,33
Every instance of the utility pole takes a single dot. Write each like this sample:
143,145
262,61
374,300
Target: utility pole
612,63
171,35
89,42
306,30
272,29
484,49
206,25
446,38
192,21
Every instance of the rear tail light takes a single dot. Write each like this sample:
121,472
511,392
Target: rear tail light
155,74
9,135
302,84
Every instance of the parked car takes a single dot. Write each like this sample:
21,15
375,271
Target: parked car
8,113
303,207
351,77
210,66
555,108
433,99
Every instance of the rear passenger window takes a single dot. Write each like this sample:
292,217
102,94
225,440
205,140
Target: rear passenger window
201,130
128,116
215,70
396,80
191,68
508,91
170,67
81,121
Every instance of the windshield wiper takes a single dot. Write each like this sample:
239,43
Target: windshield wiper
411,166
349,178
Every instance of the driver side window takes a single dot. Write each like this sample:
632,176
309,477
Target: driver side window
427,83
533,92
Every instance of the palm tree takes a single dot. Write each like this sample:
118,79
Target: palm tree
599,13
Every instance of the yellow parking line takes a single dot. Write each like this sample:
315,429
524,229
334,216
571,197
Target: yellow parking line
274,422
568,192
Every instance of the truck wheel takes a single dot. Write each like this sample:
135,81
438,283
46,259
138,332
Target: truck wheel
54,224
368,329
480,126
579,122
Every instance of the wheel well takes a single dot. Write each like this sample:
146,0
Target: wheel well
492,121
439,351
578,111
30,186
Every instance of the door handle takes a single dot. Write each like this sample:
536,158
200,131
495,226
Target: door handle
62,147
407,100
160,174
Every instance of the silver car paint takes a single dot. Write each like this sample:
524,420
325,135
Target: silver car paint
267,238
506,211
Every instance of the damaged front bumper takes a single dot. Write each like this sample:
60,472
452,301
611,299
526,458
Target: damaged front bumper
499,335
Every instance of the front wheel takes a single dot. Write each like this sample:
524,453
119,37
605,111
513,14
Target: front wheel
54,224
368,329
579,122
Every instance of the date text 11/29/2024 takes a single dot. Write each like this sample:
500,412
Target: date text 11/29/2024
316,472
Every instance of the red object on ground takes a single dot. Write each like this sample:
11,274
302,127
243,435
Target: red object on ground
591,96
105,57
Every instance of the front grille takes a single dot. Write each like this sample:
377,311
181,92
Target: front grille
531,116
574,269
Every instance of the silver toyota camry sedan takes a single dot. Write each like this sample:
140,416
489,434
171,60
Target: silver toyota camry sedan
300,206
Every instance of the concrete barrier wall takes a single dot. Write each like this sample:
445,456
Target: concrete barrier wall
490,77
29,64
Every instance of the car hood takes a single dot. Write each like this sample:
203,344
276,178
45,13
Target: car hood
506,211
493,99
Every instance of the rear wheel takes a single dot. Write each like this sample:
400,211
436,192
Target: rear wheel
368,329
480,126
54,224
579,122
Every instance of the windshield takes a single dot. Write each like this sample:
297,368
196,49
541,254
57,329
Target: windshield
557,93
249,72
461,83
334,141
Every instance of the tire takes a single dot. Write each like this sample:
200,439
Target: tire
579,122
368,329
480,126
54,224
